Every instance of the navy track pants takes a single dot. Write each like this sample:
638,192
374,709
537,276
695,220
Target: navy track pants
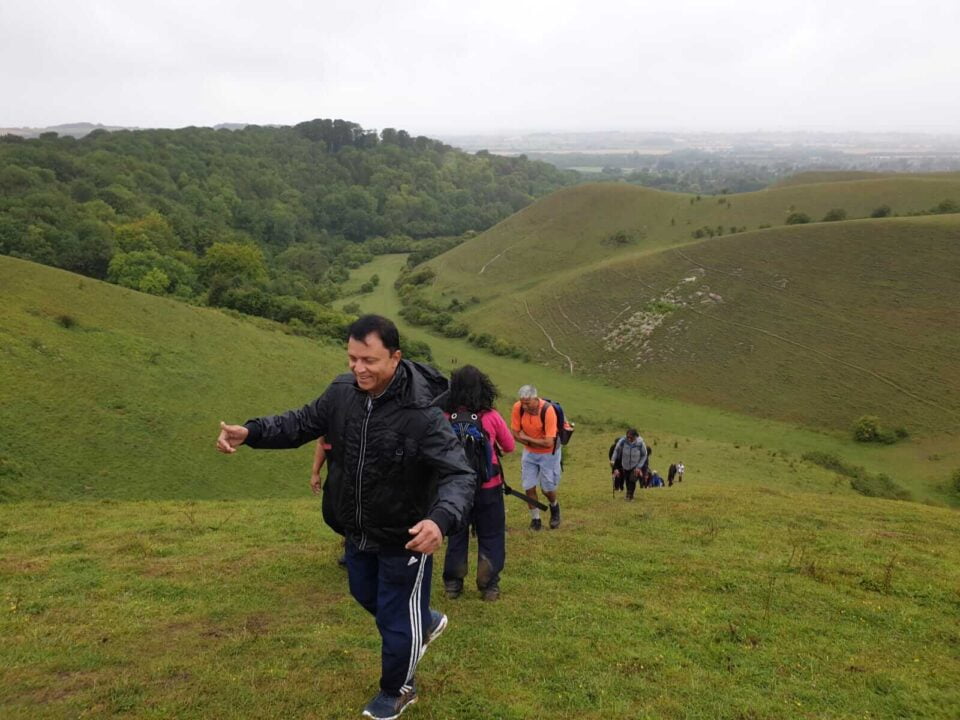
394,587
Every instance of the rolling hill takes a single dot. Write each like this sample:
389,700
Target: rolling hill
815,324
110,393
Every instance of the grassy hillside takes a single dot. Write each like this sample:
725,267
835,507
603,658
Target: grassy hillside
923,464
748,591
576,227
124,402
816,324
194,585
108,392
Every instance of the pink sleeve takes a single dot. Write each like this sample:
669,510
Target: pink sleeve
497,429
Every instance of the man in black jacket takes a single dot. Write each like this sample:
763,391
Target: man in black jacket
397,483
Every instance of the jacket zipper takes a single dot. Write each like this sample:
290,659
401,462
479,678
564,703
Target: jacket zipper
359,480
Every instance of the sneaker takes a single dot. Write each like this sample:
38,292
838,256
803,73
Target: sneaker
555,516
453,588
536,524
437,625
388,707
491,593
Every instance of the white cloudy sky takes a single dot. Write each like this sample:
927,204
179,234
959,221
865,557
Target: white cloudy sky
485,66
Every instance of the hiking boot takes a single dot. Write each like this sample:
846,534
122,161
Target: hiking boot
536,524
388,707
438,623
491,593
453,588
555,516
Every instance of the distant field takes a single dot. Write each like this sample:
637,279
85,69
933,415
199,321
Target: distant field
811,177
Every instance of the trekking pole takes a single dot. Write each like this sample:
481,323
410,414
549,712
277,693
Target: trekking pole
507,490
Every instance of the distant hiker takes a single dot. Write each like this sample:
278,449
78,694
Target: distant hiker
655,479
397,483
615,473
316,484
472,394
628,460
534,425
671,474
645,470
679,472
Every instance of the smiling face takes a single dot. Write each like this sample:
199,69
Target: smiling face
372,364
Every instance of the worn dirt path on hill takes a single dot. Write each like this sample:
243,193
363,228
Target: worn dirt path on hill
550,339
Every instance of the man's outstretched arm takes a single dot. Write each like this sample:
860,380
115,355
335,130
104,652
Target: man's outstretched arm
288,430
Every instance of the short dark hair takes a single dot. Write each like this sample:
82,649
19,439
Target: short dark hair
383,327
470,389
632,432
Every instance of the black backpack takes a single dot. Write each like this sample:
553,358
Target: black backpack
476,444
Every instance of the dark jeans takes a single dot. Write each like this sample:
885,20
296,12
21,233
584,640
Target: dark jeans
394,587
489,519
631,480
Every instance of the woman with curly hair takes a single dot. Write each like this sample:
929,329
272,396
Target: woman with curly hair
471,390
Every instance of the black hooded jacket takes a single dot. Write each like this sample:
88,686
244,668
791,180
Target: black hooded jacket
394,460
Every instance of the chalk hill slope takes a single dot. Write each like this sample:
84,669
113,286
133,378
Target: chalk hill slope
815,324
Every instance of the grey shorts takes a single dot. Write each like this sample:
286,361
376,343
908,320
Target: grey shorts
541,469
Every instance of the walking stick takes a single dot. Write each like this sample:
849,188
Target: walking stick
507,490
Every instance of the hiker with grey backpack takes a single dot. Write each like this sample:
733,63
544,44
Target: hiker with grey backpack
628,459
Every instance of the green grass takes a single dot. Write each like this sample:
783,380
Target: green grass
921,465
813,325
764,586
122,403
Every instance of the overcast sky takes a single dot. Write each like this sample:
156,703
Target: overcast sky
435,67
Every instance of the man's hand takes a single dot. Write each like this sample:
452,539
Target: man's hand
231,437
427,537
316,483
616,473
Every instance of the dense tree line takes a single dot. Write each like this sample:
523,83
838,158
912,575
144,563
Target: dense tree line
267,220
